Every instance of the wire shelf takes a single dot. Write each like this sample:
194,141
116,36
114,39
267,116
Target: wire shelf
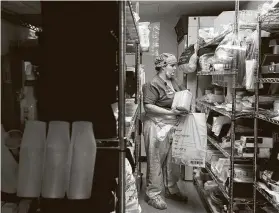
265,118
224,151
216,144
265,194
225,112
217,73
223,190
220,185
269,80
225,84
205,198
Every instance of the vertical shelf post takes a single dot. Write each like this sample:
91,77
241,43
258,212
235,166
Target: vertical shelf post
121,104
235,67
137,144
256,112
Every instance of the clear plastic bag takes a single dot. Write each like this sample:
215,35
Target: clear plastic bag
144,35
188,60
154,38
205,61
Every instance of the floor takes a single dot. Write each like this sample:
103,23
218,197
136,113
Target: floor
194,204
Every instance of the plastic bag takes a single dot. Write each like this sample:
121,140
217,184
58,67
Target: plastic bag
144,35
250,79
154,38
206,35
187,62
205,61
131,193
190,141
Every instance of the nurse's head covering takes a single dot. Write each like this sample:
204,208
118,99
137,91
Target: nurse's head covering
164,59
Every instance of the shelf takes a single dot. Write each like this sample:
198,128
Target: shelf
269,80
223,190
265,194
270,120
217,73
216,144
223,111
224,151
204,197
220,185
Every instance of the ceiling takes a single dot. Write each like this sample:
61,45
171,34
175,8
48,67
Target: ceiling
177,8
22,7
147,9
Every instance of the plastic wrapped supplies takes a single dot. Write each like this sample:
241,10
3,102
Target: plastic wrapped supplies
192,66
182,100
144,35
205,61
187,62
250,79
131,193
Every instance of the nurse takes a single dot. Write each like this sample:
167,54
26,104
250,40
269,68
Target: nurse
159,123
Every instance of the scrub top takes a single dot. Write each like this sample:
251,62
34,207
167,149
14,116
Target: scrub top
159,93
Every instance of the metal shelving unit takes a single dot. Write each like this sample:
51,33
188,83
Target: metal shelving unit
128,34
268,22
228,192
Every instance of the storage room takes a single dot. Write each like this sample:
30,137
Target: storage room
140,106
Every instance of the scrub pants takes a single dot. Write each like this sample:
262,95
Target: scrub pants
159,165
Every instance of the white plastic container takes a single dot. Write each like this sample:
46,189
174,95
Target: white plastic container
82,161
31,159
182,100
55,176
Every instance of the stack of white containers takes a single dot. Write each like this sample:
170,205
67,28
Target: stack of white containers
56,164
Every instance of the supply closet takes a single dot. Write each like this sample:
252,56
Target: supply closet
78,74
71,65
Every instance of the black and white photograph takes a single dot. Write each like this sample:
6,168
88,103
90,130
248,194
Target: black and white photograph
140,106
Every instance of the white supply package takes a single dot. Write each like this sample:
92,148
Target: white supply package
182,100
190,141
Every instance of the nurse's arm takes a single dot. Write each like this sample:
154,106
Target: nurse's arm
151,108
